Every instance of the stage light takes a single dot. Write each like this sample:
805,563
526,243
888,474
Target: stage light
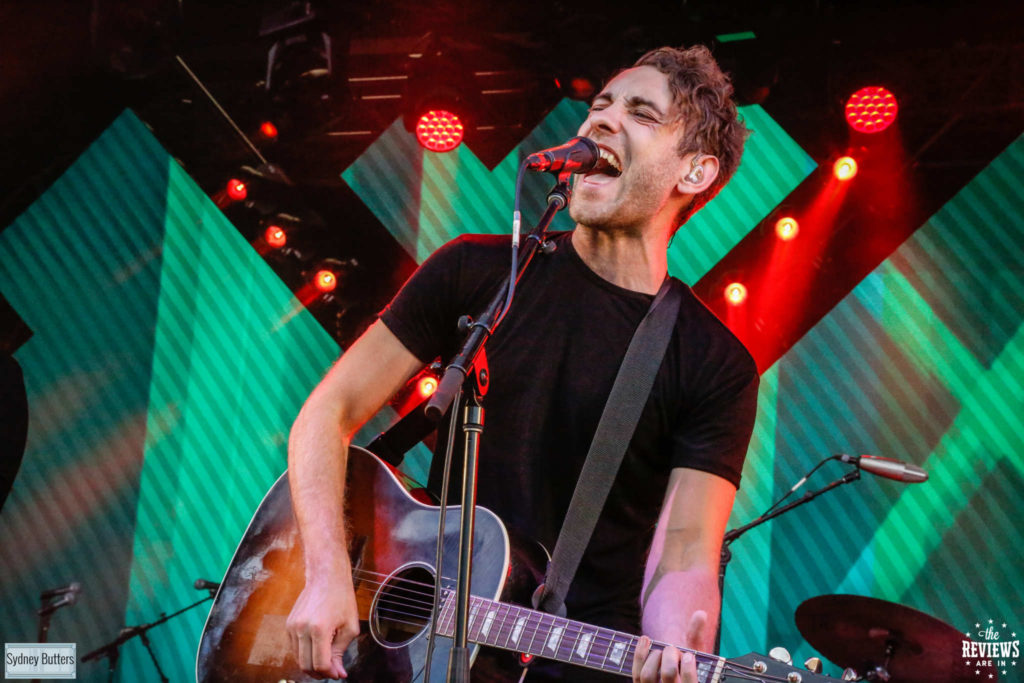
576,86
439,130
871,109
268,130
786,228
427,386
325,280
844,168
735,293
275,236
237,190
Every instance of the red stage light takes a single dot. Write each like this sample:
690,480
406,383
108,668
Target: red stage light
735,293
427,386
275,236
268,130
845,168
871,109
439,130
237,190
787,228
325,280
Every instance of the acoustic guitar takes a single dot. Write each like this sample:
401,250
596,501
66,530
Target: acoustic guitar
392,539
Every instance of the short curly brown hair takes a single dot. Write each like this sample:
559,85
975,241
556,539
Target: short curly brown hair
702,94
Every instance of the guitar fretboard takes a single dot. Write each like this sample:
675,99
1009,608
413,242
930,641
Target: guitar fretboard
521,629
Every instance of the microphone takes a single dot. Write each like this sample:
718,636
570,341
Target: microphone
888,468
69,598
203,584
579,155
73,587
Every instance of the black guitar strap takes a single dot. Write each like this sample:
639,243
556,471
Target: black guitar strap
619,418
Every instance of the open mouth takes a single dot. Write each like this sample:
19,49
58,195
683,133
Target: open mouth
608,164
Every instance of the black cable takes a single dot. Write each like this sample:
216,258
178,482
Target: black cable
797,485
439,550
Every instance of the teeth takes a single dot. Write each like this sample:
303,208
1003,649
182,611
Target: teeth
611,159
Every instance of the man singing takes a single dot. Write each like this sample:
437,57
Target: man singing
670,139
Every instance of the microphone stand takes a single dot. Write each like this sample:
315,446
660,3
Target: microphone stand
471,358
730,536
112,650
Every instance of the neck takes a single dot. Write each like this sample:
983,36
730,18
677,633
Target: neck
636,261
539,634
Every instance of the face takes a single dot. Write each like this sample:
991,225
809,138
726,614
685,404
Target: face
634,120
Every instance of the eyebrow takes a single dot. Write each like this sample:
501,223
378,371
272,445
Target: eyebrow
632,101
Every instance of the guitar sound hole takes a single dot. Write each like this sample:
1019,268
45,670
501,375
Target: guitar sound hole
403,605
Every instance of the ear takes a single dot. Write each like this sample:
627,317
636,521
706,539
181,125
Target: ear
698,176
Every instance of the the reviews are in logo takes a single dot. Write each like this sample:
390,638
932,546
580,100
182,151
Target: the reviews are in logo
991,648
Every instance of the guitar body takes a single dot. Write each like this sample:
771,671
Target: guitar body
392,541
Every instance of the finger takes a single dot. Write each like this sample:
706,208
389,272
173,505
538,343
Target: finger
293,640
322,651
338,658
306,654
688,668
652,667
669,669
643,647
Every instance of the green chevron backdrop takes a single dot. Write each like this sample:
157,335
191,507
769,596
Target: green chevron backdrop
168,362
923,361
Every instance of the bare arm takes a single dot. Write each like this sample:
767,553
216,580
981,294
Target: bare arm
680,596
324,619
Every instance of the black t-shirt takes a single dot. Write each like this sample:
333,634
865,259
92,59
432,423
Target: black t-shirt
552,362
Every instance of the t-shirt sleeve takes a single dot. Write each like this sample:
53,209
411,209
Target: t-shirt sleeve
715,433
423,313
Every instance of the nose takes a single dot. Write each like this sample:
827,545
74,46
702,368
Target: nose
608,119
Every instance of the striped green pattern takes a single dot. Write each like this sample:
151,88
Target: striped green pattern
923,361
82,267
773,165
167,365
425,198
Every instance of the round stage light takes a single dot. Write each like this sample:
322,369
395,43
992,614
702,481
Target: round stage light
786,228
237,190
844,168
736,293
439,130
275,236
325,280
268,130
427,386
871,109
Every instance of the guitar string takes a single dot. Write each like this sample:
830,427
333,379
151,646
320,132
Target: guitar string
587,659
424,615
387,606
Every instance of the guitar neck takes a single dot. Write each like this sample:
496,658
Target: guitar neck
521,629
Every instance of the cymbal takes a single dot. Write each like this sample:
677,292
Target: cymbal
856,631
